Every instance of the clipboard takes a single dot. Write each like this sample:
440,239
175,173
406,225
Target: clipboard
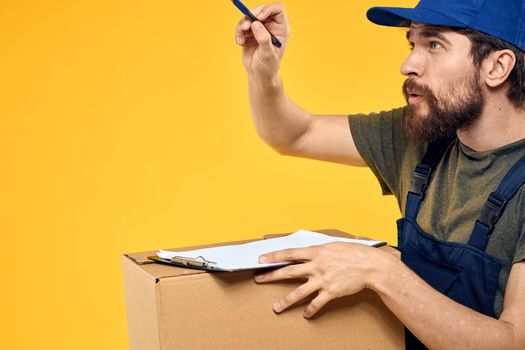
198,263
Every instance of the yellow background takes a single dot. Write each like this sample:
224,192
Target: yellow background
125,126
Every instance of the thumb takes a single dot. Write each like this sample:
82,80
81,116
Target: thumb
262,36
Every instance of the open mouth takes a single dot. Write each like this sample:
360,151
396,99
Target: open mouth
412,97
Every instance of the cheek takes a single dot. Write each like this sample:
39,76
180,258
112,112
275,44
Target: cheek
456,75
451,88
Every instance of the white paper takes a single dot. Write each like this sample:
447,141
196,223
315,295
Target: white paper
245,256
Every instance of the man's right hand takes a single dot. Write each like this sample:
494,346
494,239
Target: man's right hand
260,58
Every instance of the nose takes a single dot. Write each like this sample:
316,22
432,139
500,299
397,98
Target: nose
413,65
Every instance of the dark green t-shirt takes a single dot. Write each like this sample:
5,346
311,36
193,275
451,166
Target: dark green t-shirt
458,189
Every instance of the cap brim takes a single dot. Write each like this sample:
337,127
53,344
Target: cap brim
399,17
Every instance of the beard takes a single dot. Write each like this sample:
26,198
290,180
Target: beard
453,110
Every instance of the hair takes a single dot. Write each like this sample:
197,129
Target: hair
483,45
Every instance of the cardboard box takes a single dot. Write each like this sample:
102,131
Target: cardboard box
176,308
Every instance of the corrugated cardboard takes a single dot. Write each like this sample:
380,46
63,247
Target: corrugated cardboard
176,308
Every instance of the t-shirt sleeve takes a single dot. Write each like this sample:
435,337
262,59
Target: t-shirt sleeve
519,251
519,255
381,141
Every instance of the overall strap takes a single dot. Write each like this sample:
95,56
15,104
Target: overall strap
496,203
422,173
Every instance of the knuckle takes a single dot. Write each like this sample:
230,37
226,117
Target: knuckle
290,271
258,9
309,310
289,299
314,250
328,278
333,245
313,306
287,252
331,290
322,265
269,276
299,293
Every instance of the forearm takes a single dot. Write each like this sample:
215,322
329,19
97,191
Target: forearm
438,321
278,120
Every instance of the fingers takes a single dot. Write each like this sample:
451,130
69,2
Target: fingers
242,31
262,36
296,295
316,304
276,11
287,272
291,254
273,12
256,11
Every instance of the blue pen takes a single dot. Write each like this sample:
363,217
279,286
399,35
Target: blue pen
252,18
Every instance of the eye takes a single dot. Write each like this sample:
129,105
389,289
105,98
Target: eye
435,45
411,46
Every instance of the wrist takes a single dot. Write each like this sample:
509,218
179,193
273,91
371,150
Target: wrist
386,267
266,84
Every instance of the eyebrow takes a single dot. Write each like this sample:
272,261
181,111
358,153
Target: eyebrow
429,33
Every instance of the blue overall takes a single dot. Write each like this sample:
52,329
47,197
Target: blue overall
463,272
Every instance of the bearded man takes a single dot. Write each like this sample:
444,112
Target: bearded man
454,157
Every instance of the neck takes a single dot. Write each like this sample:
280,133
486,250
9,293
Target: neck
500,124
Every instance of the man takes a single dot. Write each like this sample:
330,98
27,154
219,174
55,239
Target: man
461,280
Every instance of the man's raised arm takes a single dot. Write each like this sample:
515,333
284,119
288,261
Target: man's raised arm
280,122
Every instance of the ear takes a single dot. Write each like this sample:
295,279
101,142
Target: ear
497,67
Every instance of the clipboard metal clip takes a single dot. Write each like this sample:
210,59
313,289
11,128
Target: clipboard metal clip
194,262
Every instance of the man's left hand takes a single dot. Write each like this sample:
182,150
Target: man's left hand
333,270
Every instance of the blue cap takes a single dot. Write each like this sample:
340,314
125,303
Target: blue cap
503,19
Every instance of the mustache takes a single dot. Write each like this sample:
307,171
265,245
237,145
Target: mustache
421,89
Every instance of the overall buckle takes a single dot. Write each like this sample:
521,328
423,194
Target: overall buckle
492,210
420,179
